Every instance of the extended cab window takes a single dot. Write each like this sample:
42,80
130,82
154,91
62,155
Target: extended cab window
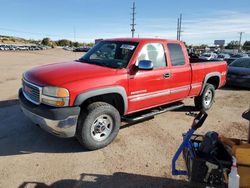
176,54
114,54
153,52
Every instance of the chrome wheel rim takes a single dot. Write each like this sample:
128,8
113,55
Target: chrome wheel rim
208,97
101,127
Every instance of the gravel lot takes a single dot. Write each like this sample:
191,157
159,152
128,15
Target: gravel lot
139,157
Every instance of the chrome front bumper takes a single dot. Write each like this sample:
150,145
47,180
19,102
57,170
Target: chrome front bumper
63,128
61,122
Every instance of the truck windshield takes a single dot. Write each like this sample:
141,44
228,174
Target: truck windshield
113,54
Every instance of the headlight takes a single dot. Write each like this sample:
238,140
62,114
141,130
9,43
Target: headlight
55,91
55,96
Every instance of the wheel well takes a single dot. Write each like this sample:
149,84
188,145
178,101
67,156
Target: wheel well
214,80
113,99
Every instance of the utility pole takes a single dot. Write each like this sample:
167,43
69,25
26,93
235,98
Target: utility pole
74,30
240,40
180,27
133,20
179,23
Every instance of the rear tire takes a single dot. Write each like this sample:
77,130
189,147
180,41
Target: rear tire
98,125
206,99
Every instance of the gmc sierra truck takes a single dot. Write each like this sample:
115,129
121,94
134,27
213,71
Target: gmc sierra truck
88,98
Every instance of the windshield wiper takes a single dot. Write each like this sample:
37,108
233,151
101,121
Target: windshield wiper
84,61
94,63
104,64
81,60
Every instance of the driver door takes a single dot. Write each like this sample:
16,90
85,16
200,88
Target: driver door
147,88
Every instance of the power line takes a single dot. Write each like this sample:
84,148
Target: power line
133,20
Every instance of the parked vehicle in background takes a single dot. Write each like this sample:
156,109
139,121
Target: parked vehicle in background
13,47
230,60
5,47
2,47
34,48
239,73
23,48
68,48
88,98
235,57
239,55
222,57
208,56
43,47
84,49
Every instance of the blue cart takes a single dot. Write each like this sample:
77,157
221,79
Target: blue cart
202,168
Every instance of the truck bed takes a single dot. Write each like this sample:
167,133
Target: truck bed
197,60
200,69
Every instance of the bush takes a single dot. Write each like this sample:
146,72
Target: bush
64,42
46,42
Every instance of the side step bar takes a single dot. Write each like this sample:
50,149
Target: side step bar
151,113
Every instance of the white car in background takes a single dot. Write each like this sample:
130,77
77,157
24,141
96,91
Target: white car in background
223,56
1,47
4,47
208,56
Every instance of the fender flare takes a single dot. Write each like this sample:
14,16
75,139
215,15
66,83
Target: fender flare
210,75
101,91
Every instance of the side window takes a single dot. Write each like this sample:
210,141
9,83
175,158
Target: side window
176,54
153,52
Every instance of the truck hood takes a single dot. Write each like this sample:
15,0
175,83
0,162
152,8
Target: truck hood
63,73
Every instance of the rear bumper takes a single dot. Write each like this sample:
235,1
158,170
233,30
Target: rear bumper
61,122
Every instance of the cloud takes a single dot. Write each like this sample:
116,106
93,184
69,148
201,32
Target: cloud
198,28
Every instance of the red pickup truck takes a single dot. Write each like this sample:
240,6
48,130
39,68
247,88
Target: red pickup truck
89,97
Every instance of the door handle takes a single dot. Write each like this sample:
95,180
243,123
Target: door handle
166,75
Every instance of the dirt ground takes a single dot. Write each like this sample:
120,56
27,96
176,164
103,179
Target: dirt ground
139,157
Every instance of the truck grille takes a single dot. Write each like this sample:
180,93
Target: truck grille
31,92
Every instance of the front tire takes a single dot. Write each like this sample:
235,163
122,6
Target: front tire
98,125
206,99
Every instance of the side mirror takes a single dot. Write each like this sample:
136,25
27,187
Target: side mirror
145,65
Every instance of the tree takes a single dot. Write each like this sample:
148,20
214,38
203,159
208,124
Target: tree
246,46
91,44
202,46
232,45
64,42
76,44
46,41
53,44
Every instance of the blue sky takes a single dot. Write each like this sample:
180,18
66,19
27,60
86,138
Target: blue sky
203,20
